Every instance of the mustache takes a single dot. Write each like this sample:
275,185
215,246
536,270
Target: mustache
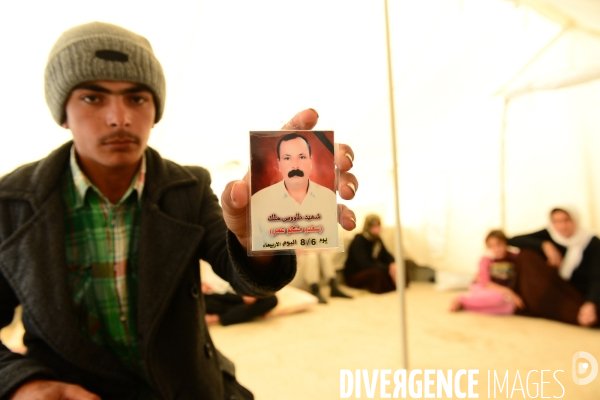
296,172
119,135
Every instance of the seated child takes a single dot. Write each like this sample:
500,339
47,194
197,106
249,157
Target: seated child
493,290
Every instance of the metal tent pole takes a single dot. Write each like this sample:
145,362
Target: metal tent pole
400,270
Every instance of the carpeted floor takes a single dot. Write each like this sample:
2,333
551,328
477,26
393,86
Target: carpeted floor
300,356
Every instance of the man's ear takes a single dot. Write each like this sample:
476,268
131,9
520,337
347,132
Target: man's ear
65,124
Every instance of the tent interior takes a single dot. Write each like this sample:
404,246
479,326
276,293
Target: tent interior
495,102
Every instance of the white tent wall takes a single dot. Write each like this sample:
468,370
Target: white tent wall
552,135
450,126
254,68
452,167
552,142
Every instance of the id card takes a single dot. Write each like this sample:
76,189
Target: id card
293,201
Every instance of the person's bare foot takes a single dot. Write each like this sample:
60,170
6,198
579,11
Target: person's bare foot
212,319
455,305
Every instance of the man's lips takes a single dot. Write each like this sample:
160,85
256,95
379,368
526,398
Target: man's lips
120,139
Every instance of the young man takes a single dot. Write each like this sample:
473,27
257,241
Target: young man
100,241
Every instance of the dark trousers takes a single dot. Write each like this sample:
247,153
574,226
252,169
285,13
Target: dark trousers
375,280
544,292
232,309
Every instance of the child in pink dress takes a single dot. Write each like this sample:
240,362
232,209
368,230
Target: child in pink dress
492,292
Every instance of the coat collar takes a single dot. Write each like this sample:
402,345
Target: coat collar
42,177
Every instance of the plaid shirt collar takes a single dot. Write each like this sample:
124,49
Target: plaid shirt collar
82,183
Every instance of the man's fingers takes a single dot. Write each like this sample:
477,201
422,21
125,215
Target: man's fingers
346,217
304,120
344,157
347,185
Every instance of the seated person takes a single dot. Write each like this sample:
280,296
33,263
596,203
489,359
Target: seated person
369,265
230,308
558,270
493,291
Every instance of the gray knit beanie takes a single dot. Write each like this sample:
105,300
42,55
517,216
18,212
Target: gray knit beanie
100,51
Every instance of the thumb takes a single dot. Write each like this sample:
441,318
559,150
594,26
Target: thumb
235,197
234,201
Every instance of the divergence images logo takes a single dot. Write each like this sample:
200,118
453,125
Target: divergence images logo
581,367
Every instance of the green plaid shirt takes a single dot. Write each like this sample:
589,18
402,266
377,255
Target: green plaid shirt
102,242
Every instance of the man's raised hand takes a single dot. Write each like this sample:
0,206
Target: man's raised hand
235,197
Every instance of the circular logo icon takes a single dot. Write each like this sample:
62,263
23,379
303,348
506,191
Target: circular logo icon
580,367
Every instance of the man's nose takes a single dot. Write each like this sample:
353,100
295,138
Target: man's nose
118,114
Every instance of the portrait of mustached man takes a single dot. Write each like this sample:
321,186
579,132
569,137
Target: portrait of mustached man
277,206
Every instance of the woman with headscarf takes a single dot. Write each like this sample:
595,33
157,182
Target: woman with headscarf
369,265
558,270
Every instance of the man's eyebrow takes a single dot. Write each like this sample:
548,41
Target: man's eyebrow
137,89
97,88
290,154
93,88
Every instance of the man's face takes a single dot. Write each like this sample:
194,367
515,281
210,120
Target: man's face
562,222
110,122
295,163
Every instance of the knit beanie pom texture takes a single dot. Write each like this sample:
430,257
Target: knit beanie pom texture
100,51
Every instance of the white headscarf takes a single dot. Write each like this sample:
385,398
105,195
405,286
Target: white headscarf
575,244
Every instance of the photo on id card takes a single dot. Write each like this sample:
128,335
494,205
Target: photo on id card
293,202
